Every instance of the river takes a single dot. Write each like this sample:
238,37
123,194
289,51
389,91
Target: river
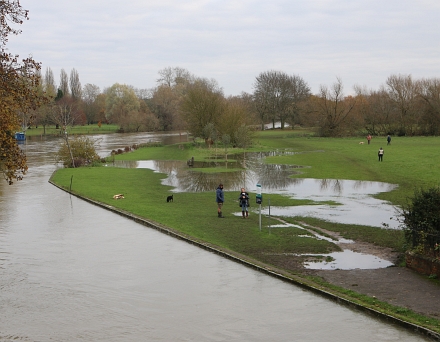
71,271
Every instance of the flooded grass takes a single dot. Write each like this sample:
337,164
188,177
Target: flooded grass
390,238
194,212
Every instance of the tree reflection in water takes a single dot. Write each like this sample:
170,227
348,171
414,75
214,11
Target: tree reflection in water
356,203
188,179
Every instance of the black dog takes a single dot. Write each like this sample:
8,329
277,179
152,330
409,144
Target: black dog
170,198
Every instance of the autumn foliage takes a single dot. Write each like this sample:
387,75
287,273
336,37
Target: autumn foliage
18,92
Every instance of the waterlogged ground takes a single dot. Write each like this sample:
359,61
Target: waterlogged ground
352,201
354,255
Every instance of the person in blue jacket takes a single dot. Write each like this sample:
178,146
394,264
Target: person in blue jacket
220,198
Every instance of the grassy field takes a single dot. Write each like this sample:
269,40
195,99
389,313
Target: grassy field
86,129
408,162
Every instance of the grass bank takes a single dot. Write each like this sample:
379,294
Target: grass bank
194,214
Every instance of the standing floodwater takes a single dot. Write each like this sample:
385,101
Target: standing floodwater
70,271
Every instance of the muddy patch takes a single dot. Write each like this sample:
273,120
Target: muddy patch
353,254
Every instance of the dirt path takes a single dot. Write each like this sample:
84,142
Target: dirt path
395,285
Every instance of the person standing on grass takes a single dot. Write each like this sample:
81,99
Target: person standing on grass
244,202
380,154
220,199
389,139
368,139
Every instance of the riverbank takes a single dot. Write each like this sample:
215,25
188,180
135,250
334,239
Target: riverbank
191,214
387,287
52,130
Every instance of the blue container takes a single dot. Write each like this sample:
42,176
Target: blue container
20,136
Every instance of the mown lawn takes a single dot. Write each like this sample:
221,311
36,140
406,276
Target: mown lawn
408,162
194,214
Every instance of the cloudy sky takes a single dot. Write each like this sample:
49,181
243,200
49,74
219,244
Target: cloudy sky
113,41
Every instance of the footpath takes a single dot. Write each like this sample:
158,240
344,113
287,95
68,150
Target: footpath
398,286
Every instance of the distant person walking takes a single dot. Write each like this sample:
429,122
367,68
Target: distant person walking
219,198
389,139
368,139
380,154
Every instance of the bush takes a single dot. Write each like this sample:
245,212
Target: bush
82,149
421,221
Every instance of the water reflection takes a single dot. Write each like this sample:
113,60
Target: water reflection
70,271
355,204
252,171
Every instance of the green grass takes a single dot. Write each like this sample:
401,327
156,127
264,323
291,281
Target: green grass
145,196
391,238
408,162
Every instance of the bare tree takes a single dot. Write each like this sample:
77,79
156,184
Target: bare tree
429,92
333,108
65,114
49,84
64,82
90,94
75,85
277,96
377,110
172,76
403,91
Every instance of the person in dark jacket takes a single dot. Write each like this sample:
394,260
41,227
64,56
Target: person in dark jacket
220,198
244,202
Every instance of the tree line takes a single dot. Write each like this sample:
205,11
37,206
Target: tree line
183,101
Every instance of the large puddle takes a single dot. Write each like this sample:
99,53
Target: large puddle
352,202
347,259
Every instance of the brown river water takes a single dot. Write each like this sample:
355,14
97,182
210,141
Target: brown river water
70,271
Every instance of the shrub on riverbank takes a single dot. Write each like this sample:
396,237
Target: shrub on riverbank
421,221
195,213
79,148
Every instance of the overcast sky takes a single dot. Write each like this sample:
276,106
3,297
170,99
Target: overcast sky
113,41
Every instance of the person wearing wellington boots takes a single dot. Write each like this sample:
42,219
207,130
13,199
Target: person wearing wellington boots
220,198
244,202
